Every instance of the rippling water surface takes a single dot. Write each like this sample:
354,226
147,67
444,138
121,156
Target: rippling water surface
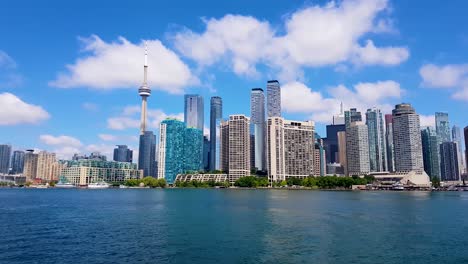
231,226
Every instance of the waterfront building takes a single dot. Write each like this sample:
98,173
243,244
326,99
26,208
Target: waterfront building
331,142
407,139
86,171
252,150
377,147
352,116
206,153
389,142
5,154
257,121
320,164
30,165
273,99
290,148
202,177
193,149
235,147
335,169
357,148
216,114
442,126
457,138
342,159
194,111
17,162
45,166
147,154
430,147
123,154
449,170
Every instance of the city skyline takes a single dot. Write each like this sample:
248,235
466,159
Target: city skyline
94,111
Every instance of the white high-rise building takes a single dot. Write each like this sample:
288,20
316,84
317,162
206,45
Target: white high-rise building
357,149
257,120
273,98
290,148
407,139
235,146
457,138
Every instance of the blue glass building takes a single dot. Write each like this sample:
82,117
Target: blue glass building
147,154
216,114
193,111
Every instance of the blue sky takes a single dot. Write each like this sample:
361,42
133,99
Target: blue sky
69,71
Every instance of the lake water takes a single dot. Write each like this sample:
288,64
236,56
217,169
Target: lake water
232,226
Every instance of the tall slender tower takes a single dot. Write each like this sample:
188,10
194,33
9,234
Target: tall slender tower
144,92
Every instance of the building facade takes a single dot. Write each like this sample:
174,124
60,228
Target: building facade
202,177
407,139
377,146
216,115
5,154
389,142
457,138
194,111
30,165
45,166
147,154
331,142
206,153
342,158
357,149
257,121
17,162
235,146
273,99
442,126
465,132
449,170
353,115
123,154
320,162
430,146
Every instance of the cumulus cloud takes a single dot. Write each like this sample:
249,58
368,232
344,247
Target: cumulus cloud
451,76
427,120
14,111
119,64
298,98
312,37
92,107
60,140
116,138
129,118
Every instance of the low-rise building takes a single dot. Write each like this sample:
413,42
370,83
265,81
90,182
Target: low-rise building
202,177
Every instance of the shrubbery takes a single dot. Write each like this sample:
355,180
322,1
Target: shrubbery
147,181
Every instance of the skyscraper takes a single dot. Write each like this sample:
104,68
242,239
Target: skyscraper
407,139
357,149
449,170
273,98
193,111
320,162
457,138
30,165
216,114
352,116
342,159
465,131
377,147
331,142
206,153
442,126
123,154
147,154
430,146
257,121
389,141
5,153
193,149
17,162
45,161
235,146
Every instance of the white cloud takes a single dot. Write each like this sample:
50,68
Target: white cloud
122,123
111,65
14,111
115,138
451,76
104,149
60,141
92,107
314,36
427,120
298,98
129,118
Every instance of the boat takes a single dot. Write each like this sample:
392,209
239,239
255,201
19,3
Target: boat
398,187
64,184
98,185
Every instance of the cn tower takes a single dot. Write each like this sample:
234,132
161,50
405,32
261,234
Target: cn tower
144,92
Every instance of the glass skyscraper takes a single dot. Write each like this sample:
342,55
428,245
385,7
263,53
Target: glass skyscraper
352,116
257,122
457,138
147,154
273,99
5,153
389,142
123,154
193,150
430,146
449,170
216,114
377,148
17,162
442,126
193,111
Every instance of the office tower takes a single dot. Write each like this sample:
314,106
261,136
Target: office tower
339,119
180,149
377,148
357,148
30,165
123,154
430,147
193,111
389,141
290,149
206,153
407,139
216,114
144,92
45,170
449,170
147,154
457,138
320,165
17,162
465,131
331,142
352,116
224,146
5,154
273,98
342,159
235,146
257,121
442,126
252,149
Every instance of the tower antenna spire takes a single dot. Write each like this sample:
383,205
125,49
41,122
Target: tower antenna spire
341,108
144,92
145,80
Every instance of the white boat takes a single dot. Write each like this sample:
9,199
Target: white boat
64,185
398,187
98,185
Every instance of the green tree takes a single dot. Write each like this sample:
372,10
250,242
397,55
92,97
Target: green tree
435,182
